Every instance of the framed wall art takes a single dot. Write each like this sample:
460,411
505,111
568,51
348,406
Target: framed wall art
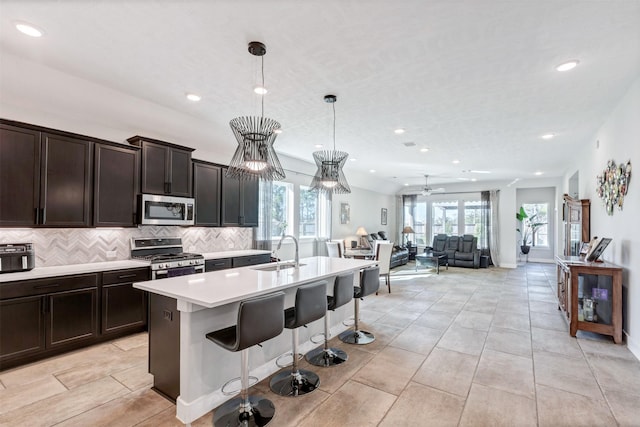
345,213
383,216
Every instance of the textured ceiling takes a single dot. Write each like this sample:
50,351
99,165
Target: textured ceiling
470,80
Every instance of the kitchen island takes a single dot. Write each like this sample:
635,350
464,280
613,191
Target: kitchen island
210,301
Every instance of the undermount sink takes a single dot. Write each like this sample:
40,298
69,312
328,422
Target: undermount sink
276,266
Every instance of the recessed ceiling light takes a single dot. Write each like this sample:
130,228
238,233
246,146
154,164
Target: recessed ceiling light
455,162
278,131
406,184
424,150
318,146
399,131
353,159
474,179
472,171
29,29
569,65
193,97
372,170
547,136
260,90
538,173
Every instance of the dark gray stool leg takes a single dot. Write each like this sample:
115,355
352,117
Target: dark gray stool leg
296,382
326,356
357,336
244,410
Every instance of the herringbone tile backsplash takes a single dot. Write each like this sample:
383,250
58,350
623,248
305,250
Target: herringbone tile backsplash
61,246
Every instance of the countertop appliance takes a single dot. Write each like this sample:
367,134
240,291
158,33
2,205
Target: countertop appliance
166,210
166,256
16,257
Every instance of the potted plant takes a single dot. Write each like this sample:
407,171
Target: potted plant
528,228
524,230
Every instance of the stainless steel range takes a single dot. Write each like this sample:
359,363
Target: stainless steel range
166,256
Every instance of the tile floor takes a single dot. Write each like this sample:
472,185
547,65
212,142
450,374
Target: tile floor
464,348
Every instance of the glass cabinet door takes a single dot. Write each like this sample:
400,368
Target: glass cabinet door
595,296
575,238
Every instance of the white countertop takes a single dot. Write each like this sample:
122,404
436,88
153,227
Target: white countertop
66,270
222,287
234,254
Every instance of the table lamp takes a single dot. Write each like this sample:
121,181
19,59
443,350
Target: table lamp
407,230
363,239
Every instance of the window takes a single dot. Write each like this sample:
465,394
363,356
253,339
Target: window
308,212
539,219
281,209
472,217
444,218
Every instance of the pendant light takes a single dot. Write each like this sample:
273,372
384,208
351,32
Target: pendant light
255,157
329,177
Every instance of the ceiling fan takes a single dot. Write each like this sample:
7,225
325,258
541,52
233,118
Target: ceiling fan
427,191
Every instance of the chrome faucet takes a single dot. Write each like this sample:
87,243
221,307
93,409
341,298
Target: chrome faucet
284,236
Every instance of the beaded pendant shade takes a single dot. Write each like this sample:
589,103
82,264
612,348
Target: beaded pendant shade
329,177
255,156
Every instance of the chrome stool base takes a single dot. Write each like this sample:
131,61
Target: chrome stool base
357,337
289,384
326,357
262,412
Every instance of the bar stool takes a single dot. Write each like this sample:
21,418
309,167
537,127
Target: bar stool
342,294
311,305
369,284
259,319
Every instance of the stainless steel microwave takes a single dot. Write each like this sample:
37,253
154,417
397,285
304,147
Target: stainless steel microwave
166,210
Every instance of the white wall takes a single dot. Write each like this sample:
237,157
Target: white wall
365,207
617,139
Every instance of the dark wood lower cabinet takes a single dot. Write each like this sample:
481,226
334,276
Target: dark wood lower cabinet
124,308
43,317
71,317
22,328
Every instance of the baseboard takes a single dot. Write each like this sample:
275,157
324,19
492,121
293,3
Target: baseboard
633,346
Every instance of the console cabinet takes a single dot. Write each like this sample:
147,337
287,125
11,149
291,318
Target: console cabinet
45,177
166,167
590,295
576,220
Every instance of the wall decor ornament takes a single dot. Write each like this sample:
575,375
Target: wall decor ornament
613,184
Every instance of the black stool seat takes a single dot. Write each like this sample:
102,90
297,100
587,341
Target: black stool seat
342,294
310,306
259,319
369,284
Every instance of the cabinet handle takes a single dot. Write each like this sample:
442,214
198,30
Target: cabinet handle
36,215
55,285
43,214
126,276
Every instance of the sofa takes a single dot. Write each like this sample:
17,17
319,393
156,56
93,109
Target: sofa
399,254
461,251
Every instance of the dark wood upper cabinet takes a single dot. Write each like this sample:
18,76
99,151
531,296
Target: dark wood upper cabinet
166,167
239,202
116,184
45,178
206,192
65,181
19,176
